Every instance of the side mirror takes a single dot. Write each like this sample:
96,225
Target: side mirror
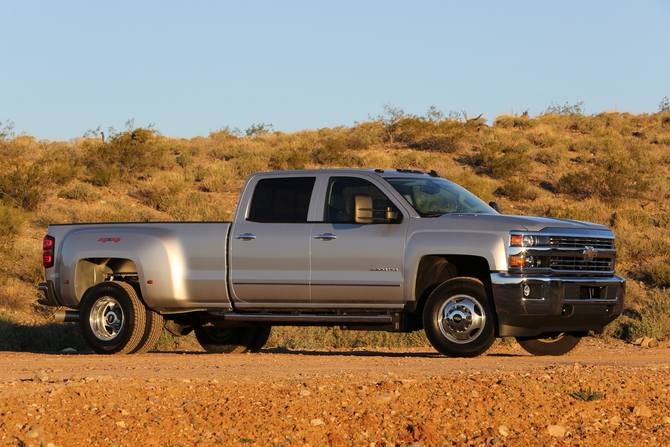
363,211
495,206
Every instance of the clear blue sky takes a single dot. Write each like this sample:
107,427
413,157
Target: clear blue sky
192,67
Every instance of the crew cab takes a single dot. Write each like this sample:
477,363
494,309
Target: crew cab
390,250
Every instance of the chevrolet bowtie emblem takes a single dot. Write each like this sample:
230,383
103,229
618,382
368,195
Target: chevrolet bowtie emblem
590,252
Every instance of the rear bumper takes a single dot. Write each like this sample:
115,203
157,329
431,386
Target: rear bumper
49,292
554,304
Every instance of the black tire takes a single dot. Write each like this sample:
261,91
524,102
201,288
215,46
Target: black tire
557,344
112,318
260,338
152,332
458,320
218,340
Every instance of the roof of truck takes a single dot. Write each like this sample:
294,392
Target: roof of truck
381,172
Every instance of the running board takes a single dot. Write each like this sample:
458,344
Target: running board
311,319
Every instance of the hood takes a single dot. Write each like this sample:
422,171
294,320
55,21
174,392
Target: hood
528,223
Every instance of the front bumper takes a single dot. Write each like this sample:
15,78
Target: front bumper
555,304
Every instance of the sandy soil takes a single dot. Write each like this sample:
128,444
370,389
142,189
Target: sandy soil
340,398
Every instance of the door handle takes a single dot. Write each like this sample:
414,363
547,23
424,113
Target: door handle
245,236
325,237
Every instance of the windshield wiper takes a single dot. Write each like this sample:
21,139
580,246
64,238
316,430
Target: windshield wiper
433,214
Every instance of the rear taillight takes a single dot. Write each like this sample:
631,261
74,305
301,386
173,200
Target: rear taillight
48,251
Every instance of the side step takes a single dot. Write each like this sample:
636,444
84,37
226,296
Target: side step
311,319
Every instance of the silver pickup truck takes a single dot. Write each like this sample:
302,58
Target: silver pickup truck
389,250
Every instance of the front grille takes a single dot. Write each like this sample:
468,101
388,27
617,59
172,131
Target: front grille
570,241
578,264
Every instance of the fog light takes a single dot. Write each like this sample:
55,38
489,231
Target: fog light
526,290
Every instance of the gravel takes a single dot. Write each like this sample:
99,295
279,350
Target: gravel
367,397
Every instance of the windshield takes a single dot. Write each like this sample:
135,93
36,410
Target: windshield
433,197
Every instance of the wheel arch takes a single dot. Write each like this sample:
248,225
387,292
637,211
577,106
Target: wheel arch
435,269
90,272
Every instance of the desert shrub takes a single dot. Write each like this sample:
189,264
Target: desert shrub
105,175
634,217
292,158
223,152
542,139
664,105
412,129
160,193
549,157
12,221
509,121
25,262
185,159
440,143
215,179
334,152
131,152
22,185
194,207
505,164
587,210
81,191
14,293
247,161
364,135
518,190
658,272
579,184
479,186
565,109
653,318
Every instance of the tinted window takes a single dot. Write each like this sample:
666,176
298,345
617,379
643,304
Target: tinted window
281,199
436,196
340,199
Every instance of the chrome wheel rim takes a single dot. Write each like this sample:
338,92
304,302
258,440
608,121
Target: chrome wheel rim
106,318
461,319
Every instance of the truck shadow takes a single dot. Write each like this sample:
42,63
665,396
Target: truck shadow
372,353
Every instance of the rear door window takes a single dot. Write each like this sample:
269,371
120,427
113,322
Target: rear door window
281,200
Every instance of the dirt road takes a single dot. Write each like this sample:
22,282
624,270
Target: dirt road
359,397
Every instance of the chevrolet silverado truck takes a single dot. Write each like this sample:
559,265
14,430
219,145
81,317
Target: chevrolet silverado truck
389,250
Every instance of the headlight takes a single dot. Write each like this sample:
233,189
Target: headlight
523,240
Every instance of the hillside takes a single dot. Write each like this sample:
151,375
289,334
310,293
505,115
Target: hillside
610,168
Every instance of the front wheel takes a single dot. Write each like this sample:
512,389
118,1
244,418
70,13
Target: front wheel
457,318
557,344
